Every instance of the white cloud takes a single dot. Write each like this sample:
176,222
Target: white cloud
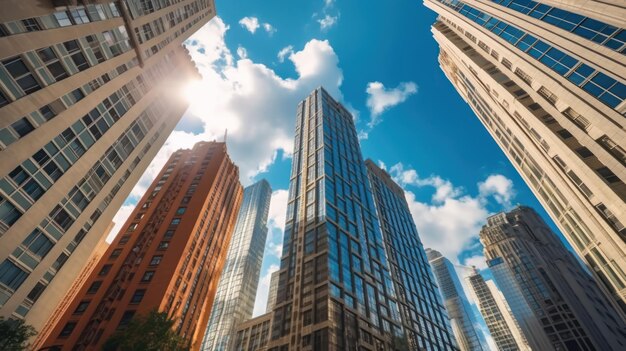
250,23
285,52
498,186
119,219
380,98
269,28
242,52
262,291
451,221
278,209
328,21
478,261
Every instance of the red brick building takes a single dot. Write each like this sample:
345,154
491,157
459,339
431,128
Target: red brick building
168,255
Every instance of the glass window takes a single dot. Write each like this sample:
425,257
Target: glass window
62,19
80,61
79,15
31,24
9,214
563,133
82,306
71,46
22,75
38,244
156,260
3,99
105,269
62,218
147,276
19,175
608,175
584,152
175,221
33,189
181,210
93,288
11,275
116,253
67,329
138,296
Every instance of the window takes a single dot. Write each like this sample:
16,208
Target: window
9,214
51,61
175,221
156,260
105,269
180,211
94,287
71,46
22,127
67,329
33,189
3,99
62,19
126,317
138,296
31,24
608,175
564,134
36,292
79,15
80,61
163,245
168,234
147,276
11,275
115,253
82,306
47,113
22,75
38,244
19,175
124,239
584,152
62,218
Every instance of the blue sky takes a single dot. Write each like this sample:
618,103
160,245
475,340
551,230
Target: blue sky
380,60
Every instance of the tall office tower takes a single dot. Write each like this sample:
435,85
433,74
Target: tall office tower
271,296
88,95
501,323
167,257
413,280
548,82
546,288
236,291
464,323
334,290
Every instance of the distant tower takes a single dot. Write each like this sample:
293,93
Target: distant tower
464,323
271,296
500,321
552,297
234,301
167,257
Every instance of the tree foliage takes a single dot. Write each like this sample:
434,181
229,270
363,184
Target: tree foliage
147,333
14,334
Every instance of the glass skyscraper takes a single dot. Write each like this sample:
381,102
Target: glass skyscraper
464,324
555,301
335,290
417,295
238,284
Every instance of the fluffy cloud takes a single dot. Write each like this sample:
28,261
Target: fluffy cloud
284,52
278,209
498,186
263,290
380,98
252,24
242,52
451,221
477,261
250,100
328,21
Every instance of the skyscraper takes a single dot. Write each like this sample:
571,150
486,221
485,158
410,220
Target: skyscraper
548,81
273,290
236,291
335,291
464,323
413,280
167,257
548,291
500,321
88,95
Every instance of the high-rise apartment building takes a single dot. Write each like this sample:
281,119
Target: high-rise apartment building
335,290
273,290
167,257
413,279
88,95
253,334
465,326
234,301
548,291
501,323
548,81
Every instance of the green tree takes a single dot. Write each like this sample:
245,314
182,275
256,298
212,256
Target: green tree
147,333
14,334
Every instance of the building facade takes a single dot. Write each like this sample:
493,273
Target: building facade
464,323
548,81
167,257
271,295
546,288
335,291
85,104
420,304
253,334
501,323
234,301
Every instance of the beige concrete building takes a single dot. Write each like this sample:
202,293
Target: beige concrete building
88,95
548,82
253,334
